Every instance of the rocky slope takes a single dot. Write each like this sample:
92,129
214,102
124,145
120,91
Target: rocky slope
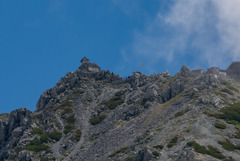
95,115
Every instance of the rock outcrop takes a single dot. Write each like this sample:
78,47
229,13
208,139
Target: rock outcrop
11,128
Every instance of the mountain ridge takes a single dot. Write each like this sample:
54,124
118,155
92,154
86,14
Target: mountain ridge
92,114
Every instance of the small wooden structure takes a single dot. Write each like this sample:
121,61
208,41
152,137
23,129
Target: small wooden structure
84,60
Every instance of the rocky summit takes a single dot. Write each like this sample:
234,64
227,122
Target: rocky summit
96,115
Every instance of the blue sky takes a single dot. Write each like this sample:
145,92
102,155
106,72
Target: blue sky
40,41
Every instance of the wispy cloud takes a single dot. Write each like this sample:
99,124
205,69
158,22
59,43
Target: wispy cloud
206,30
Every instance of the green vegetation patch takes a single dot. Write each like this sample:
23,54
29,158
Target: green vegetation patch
231,114
65,104
172,142
37,131
158,146
202,149
224,82
215,152
122,150
78,135
233,88
220,125
113,102
55,135
52,121
48,151
237,134
67,111
228,145
17,149
71,119
43,159
180,113
97,119
66,152
94,136
36,146
227,91
77,94
68,128
155,153
44,138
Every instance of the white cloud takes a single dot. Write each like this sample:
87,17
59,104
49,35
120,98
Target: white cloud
209,28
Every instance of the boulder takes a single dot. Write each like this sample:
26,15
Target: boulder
17,132
151,92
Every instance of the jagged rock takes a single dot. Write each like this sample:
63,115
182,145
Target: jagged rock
27,156
18,118
100,75
185,71
166,74
10,130
43,101
144,155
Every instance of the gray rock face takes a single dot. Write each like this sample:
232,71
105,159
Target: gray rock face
26,155
176,87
